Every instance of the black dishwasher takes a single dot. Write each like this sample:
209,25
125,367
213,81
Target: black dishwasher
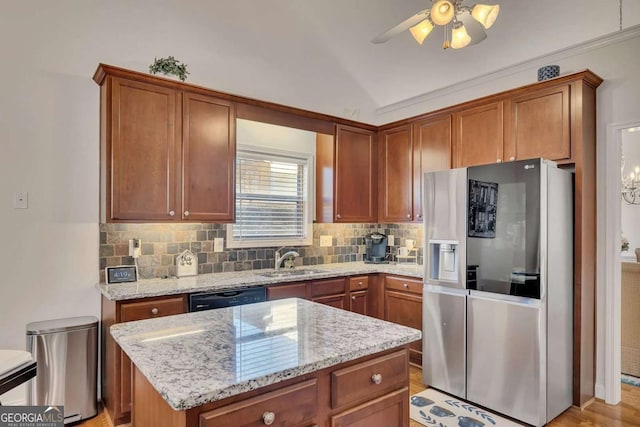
210,300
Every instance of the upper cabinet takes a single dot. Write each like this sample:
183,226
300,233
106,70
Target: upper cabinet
538,125
355,186
431,152
395,185
478,135
166,154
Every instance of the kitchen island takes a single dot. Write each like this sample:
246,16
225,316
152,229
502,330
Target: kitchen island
286,362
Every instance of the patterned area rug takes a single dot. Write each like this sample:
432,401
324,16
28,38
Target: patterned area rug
432,408
628,379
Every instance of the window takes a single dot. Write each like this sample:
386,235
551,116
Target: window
273,199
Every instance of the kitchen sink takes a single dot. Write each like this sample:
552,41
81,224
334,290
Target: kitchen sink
289,273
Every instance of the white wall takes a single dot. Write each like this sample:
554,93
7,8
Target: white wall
630,214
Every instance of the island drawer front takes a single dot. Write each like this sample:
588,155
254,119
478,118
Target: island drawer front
290,406
147,309
369,379
358,283
404,284
328,287
389,410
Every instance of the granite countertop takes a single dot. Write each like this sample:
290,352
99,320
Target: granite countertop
195,358
222,281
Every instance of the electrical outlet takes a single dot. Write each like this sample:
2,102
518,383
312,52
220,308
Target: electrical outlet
325,240
21,200
391,240
218,244
135,248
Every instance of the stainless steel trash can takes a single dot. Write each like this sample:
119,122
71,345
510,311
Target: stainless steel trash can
66,351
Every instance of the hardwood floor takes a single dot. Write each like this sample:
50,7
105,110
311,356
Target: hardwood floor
598,414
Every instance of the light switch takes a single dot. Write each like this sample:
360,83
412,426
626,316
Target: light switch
325,240
390,240
218,244
21,200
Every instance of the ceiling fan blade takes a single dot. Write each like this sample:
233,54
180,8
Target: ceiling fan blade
474,28
403,26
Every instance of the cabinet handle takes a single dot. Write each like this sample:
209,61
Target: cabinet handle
186,213
268,418
338,216
155,311
405,285
419,216
171,213
512,158
499,161
376,378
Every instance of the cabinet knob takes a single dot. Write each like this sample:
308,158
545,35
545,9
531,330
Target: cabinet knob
376,378
171,213
498,160
154,311
512,158
409,216
353,298
419,216
186,213
268,418
359,283
405,285
338,216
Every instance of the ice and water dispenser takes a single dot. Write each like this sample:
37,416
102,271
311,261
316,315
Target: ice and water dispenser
444,263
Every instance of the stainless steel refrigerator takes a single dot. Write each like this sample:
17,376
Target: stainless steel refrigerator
512,318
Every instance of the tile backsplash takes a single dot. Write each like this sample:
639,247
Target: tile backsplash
161,243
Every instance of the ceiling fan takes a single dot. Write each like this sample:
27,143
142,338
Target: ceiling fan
463,25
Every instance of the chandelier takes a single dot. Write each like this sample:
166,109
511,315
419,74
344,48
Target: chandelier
456,21
631,185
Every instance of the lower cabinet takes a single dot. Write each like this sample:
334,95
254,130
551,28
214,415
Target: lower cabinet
116,366
403,305
388,410
330,292
359,295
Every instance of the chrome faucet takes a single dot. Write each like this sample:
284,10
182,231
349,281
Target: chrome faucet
286,254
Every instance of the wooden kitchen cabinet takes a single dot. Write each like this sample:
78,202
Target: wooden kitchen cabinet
396,175
167,154
116,366
431,152
330,292
538,124
288,290
359,295
355,179
389,410
403,305
478,135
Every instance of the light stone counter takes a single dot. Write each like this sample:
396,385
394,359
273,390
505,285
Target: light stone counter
195,358
239,279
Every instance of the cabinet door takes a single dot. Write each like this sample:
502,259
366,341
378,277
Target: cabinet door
358,302
208,158
142,157
431,152
355,175
336,301
539,125
396,175
405,309
389,410
479,137
290,290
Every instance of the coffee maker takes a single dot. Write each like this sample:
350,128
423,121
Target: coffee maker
375,249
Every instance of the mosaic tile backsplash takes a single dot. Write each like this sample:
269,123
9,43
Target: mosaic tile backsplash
161,243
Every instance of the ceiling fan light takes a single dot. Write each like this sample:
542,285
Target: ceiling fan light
459,37
442,12
485,14
421,30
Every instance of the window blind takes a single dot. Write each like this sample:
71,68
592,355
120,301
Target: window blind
271,197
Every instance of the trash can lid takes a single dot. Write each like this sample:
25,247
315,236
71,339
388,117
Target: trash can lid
61,325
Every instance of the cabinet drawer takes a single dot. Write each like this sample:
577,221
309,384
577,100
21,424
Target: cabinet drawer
290,290
403,284
328,287
370,379
147,309
389,410
289,406
358,283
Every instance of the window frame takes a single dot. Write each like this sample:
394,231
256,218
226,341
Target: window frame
309,214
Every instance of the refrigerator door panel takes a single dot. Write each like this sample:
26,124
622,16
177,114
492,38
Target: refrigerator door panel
443,353
445,227
506,357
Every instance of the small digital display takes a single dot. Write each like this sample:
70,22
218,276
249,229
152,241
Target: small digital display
122,274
